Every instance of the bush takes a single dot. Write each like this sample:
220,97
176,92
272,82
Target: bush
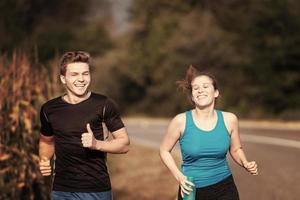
22,89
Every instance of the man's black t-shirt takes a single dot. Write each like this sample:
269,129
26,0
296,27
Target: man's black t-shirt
79,169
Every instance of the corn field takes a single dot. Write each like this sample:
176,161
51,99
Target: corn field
23,87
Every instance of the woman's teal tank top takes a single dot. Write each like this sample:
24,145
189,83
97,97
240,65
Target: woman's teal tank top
204,152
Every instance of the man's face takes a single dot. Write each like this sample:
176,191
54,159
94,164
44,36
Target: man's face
77,78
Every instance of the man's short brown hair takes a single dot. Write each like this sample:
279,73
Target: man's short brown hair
71,57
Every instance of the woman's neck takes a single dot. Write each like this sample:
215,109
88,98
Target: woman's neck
204,113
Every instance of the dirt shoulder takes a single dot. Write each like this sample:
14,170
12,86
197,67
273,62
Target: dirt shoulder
140,174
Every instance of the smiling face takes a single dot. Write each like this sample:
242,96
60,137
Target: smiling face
203,91
77,79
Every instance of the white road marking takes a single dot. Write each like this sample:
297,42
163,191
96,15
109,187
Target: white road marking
244,137
271,141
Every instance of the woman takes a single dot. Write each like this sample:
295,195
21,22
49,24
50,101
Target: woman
205,136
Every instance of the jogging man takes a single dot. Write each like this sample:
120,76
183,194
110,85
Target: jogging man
71,128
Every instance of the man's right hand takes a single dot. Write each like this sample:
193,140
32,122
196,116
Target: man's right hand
45,167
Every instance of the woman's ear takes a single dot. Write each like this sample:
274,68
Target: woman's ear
216,93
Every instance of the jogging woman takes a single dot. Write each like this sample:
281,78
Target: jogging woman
205,135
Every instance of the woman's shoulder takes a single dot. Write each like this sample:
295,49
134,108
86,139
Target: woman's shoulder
229,117
230,120
179,121
179,117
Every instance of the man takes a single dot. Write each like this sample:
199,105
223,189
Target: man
71,128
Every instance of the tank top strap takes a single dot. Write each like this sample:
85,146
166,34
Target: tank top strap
220,123
188,119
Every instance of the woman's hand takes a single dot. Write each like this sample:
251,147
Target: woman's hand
251,167
185,186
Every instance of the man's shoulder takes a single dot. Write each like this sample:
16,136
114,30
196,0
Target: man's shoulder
98,96
52,101
104,100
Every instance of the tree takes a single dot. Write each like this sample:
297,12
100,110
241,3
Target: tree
250,46
47,28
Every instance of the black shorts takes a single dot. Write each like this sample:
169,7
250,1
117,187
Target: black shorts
224,190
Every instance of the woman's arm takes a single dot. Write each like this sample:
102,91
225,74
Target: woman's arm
171,137
236,150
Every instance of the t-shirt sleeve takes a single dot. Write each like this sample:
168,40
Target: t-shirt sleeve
112,116
46,128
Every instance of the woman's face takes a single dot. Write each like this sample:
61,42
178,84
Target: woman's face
203,91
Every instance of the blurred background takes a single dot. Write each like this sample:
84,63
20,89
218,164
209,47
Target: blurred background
140,49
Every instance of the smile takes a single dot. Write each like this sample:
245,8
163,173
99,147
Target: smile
80,86
201,96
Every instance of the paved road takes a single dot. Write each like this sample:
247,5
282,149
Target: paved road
277,151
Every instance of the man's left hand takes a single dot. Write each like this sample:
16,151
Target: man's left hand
88,139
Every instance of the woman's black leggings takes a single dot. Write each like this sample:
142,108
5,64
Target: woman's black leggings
224,190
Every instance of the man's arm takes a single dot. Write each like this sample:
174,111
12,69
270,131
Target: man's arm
46,152
119,144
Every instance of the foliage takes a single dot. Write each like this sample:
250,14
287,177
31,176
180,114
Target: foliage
251,47
22,89
47,28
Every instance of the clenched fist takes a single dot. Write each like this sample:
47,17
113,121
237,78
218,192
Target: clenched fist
45,166
88,139
251,167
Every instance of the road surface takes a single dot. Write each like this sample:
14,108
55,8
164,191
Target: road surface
275,148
